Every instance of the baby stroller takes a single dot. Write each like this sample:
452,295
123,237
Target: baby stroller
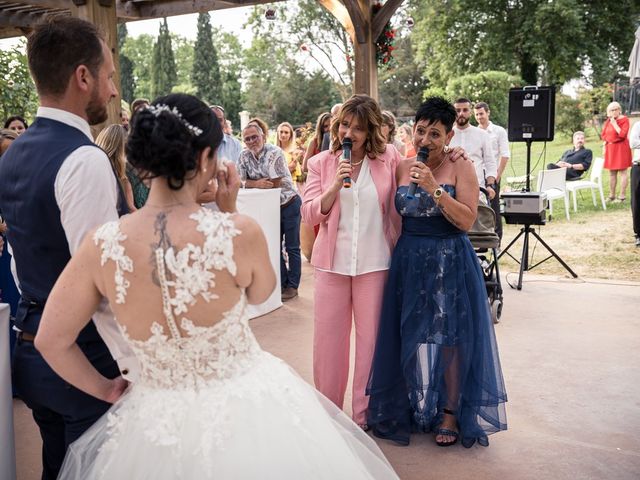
485,242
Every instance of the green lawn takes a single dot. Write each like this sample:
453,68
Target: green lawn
595,243
543,153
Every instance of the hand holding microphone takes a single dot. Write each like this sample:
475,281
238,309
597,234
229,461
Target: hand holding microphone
423,156
346,156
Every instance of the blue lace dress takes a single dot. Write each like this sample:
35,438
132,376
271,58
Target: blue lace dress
436,346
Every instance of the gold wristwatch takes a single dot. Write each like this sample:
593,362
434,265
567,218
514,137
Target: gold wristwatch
437,194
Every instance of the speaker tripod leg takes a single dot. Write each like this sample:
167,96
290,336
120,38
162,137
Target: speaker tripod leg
524,260
506,249
557,257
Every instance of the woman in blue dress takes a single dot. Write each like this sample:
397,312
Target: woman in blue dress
436,365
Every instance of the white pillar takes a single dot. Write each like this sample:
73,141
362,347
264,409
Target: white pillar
244,119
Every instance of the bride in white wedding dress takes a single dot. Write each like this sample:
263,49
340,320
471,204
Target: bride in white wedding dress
209,402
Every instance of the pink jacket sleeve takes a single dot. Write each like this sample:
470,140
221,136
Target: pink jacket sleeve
311,207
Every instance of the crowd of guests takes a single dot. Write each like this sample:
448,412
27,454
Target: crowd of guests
398,267
73,359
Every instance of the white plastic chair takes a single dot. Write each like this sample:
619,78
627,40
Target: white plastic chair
554,184
594,183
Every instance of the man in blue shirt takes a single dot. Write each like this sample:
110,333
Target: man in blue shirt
576,160
230,148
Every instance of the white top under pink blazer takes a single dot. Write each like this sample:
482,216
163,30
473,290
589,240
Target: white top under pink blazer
360,244
372,230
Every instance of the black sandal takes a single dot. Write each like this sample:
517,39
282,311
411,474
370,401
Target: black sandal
447,432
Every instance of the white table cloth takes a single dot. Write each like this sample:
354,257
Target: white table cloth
7,447
264,207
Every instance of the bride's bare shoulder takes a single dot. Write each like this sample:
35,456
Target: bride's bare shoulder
247,226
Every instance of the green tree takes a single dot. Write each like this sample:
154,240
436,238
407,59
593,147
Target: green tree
279,89
310,35
569,116
140,51
231,70
547,42
491,87
127,80
183,50
17,91
206,70
163,70
401,86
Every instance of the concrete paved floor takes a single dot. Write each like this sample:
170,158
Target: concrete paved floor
571,362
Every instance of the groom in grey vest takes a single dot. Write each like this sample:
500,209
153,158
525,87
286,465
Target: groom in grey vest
55,185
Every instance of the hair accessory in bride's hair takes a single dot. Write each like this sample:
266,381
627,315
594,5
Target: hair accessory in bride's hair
161,107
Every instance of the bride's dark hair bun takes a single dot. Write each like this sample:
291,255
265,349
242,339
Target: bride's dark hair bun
167,137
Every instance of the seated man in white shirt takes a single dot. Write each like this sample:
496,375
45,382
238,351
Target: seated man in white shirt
477,143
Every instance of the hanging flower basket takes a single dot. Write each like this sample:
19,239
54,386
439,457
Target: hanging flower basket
385,42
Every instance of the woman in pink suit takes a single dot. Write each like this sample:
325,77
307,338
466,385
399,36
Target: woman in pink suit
358,229
617,152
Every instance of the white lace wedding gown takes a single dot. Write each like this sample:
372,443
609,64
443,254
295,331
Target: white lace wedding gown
212,404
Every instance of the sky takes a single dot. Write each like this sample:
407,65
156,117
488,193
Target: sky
229,20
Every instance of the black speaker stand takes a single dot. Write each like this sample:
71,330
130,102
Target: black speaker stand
529,230
524,258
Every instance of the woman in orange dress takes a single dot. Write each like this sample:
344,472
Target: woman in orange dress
617,152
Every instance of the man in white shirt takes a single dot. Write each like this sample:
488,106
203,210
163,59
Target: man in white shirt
55,186
477,143
500,147
634,140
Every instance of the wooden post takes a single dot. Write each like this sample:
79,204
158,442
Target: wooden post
102,13
356,18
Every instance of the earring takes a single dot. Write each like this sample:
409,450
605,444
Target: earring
447,149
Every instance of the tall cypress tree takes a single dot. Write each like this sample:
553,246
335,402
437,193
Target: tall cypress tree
127,80
163,70
206,69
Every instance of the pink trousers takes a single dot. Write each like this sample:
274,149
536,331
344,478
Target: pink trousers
340,300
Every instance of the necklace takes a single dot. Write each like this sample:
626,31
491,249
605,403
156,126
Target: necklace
433,170
164,206
355,164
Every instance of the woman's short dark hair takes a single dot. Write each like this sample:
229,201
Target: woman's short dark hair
57,47
16,117
167,137
437,109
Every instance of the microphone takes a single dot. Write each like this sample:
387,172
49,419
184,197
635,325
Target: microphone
346,154
423,156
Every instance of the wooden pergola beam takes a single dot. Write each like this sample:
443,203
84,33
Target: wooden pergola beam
383,16
354,15
8,32
145,9
26,19
58,4
338,10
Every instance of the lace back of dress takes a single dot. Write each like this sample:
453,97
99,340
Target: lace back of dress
190,356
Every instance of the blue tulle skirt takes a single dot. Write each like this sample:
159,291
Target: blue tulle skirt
436,346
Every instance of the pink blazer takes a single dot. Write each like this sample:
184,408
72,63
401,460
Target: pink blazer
320,177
